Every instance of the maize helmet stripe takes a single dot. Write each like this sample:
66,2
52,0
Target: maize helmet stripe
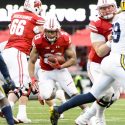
122,61
122,4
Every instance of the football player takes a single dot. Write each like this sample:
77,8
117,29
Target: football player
100,29
112,68
59,93
53,41
24,26
9,85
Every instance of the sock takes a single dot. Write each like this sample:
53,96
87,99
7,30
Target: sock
7,112
22,112
93,108
76,101
89,113
100,111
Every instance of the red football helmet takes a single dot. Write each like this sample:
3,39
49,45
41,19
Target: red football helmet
33,6
106,8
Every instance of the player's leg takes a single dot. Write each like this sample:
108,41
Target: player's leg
69,85
94,70
60,95
6,108
47,92
47,89
22,112
22,108
87,116
95,93
18,71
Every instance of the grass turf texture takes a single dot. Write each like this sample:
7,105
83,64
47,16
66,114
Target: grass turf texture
115,115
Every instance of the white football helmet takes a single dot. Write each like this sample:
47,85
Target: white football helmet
33,6
51,28
107,3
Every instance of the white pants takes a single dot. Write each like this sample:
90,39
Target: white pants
17,65
111,70
48,79
2,45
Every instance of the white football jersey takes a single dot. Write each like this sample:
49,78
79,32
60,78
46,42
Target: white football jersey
118,33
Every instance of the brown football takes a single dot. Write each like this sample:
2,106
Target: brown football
60,59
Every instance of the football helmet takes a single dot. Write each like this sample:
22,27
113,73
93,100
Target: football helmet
106,8
51,29
34,6
122,4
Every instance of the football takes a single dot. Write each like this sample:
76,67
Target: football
60,59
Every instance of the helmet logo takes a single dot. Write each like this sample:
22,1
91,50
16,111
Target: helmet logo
27,4
37,3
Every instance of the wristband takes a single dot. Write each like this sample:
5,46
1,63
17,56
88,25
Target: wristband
33,80
108,43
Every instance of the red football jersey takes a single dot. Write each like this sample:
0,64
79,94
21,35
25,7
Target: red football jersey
46,49
103,27
21,30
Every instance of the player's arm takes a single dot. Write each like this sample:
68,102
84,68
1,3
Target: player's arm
39,26
31,69
71,57
101,46
32,61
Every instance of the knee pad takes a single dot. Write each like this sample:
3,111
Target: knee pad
17,92
21,92
107,99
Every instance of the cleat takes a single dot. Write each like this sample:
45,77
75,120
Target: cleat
81,121
54,116
24,120
1,115
100,121
93,120
16,121
61,116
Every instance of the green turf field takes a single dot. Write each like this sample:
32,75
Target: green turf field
40,114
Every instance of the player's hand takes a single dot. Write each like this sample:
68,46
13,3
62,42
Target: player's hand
41,100
110,37
55,65
34,85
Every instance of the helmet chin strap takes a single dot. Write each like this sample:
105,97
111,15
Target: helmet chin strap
108,16
52,40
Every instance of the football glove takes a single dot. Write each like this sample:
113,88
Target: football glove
34,85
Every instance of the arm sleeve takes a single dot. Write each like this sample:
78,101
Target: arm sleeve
95,37
3,68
